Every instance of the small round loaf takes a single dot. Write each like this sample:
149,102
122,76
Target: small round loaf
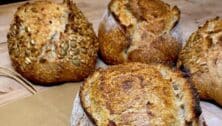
202,58
137,94
139,31
52,43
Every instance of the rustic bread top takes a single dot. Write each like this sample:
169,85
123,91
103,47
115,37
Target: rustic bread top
157,16
137,94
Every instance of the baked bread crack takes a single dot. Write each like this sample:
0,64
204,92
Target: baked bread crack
139,30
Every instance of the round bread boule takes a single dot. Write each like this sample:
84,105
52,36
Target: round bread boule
202,58
139,31
137,94
51,43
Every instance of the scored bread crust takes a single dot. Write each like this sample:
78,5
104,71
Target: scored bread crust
137,94
52,42
139,30
202,58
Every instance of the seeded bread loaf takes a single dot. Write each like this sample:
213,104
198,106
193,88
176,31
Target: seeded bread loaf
202,58
136,94
139,30
52,42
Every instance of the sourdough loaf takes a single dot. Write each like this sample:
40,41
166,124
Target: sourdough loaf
202,58
139,31
52,42
136,94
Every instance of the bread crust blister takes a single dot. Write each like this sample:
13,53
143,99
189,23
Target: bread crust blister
136,94
140,31
202,58
52,43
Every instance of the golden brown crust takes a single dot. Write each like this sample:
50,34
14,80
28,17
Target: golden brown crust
161,50
202,57
136,28
52,43
136,94
111,49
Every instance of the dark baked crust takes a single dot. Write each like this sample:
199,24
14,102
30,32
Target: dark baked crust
139,30
202,58
140,94
52,43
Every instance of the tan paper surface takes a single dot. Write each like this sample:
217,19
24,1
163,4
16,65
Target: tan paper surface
48,108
